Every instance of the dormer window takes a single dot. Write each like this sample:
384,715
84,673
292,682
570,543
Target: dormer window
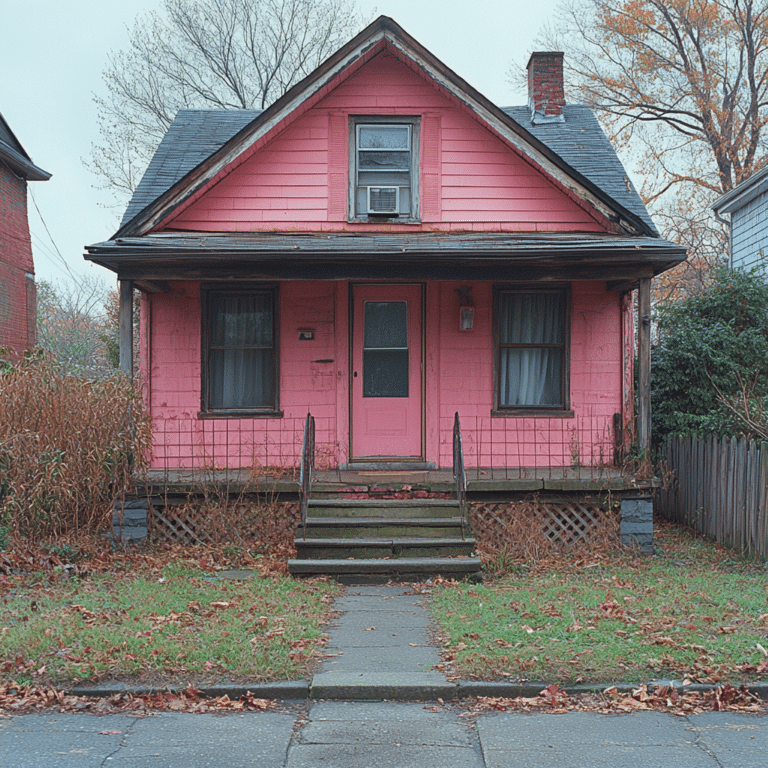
385,168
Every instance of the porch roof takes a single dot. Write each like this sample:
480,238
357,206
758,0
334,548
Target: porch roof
417,255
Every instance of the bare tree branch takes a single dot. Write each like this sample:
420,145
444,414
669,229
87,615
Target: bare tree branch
206,54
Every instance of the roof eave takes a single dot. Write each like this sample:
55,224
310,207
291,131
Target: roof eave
21,165
742,194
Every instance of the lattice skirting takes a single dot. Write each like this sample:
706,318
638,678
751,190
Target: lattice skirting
198,523
184,523
562,522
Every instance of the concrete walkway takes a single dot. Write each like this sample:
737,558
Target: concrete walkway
380,648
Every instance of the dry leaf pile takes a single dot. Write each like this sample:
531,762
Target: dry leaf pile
24,699
677,701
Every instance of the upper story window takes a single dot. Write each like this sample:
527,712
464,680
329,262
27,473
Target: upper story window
384,167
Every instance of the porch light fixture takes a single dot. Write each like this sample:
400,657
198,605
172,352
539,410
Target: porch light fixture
466,308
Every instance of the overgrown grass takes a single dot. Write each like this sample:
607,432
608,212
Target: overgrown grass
171,624
693,611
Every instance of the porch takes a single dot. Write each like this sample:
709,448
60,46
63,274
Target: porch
507,483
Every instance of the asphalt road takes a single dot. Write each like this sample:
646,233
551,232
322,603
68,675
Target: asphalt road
383,735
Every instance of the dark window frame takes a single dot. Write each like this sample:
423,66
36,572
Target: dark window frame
414,122
562,410
207,291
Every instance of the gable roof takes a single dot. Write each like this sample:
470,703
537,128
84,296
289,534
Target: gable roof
577,155
196,133
12,153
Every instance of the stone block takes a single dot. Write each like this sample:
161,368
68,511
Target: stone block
129,521
636,527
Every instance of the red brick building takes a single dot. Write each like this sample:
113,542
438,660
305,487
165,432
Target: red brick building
17,272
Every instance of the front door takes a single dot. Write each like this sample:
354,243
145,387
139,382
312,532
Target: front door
387,380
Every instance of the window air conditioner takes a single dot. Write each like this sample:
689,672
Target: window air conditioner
383,200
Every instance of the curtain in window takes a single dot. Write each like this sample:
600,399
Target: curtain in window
530,375
241,356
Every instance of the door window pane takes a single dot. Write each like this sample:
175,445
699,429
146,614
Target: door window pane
385,349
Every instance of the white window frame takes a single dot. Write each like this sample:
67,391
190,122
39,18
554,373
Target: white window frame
410,215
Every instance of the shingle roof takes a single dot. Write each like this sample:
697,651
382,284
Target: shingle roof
582,143
195,134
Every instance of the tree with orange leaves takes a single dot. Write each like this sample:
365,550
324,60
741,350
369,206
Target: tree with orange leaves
682,87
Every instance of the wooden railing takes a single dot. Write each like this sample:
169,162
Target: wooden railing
459,474
720,488
307,469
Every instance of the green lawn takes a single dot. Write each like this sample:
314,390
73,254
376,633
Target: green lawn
170,624
693,610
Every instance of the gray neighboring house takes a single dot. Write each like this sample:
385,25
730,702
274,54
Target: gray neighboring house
747,207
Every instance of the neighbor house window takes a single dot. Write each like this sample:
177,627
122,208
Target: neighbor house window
240,351
531,349
384,166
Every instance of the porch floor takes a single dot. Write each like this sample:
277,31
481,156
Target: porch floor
330,481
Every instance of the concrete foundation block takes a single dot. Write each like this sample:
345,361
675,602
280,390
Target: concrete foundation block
129,521
636,526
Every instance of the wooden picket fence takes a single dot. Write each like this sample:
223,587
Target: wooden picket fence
720,488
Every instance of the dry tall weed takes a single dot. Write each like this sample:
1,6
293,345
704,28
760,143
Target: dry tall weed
68,447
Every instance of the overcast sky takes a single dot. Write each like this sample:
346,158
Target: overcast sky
54,52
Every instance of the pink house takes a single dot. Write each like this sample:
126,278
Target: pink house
385,248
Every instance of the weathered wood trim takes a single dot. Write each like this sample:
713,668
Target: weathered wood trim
414,270
150,286
125,327
644,365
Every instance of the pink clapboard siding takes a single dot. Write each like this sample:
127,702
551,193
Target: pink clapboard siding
470,179
458,377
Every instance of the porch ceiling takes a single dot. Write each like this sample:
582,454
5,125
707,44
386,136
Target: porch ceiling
341,256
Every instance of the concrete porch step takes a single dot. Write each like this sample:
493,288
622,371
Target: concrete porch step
367,527
382,548
390,508
373,541
380,571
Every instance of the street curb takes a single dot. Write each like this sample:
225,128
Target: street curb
282,690
302,690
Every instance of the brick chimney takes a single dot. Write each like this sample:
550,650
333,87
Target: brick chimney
546,95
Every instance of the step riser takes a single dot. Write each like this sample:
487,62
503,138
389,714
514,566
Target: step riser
357,513
342,551
314,531
381,571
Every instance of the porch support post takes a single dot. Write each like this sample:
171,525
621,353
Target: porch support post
644,366
125,327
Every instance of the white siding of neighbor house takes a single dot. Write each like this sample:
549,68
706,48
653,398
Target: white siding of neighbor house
749,227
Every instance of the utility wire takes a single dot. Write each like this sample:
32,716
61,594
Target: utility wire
53,242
